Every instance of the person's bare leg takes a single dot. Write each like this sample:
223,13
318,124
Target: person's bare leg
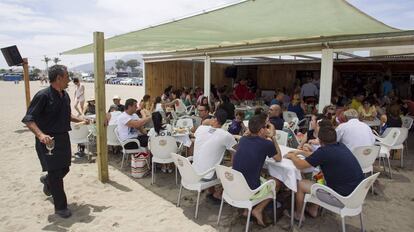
82,104
76,107
257,211
312,210
279,184
304,187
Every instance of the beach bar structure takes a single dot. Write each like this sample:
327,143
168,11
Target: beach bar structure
262,30
195,50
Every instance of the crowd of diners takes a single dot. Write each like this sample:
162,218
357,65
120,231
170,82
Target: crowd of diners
327,142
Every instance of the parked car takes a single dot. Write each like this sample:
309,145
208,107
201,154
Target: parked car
126,81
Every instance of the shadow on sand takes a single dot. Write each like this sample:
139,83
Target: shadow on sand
80,214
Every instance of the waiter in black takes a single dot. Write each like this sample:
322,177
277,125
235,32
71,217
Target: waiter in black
48,117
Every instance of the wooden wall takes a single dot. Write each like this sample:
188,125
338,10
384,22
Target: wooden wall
271,76
180,74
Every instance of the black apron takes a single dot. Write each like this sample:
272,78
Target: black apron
61,157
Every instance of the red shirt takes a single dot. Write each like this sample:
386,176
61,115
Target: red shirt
241,92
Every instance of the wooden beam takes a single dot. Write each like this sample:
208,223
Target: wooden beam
99,74
26,80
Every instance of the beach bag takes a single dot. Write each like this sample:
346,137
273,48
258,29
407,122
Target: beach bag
140,164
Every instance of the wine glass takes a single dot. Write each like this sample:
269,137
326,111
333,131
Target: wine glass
50,146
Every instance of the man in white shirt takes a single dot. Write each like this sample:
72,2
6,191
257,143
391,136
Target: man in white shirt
354,133
210,145
130,126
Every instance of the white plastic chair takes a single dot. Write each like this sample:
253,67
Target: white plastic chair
246,123
189,110
407,122
237,192
184,123
394,140
79,133
125,151
112,140
161,148
196,120
281,137
190,179
288,116
366,156
351,204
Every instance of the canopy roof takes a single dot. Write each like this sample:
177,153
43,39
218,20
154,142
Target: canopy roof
248,22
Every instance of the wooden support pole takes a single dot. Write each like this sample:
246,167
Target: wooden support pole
26,80
99,74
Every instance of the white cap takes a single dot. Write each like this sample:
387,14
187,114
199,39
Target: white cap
116,97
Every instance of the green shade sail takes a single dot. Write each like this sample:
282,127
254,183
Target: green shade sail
252,21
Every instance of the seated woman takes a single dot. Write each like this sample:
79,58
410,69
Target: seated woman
367,111
145,106
296,106
177,102
160,129
312,134
394,116
313,142
237,126
112,115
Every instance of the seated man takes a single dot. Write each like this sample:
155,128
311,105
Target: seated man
354,133
340,168
211,141
275,116
130,126
250,157
117,101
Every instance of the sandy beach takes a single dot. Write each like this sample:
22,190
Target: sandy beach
128,204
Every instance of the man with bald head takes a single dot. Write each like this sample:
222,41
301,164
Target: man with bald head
275,118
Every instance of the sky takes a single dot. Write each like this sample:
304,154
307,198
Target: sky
46,27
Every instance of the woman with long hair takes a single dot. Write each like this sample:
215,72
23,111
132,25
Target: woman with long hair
160,129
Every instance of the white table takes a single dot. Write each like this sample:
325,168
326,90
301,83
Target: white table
183,138
286,172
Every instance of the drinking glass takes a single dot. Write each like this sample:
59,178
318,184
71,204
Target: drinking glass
50,147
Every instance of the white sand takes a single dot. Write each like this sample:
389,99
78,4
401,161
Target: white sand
126,204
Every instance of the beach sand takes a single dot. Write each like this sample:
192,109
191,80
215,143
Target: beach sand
128,204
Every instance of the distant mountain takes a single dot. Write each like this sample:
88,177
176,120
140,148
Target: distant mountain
108,63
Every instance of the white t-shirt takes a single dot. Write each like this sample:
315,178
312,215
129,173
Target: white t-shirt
209,147
124,131
158,107
355,134
114,117
166,132
179,106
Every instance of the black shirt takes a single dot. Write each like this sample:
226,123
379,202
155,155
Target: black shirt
50,111
277,122
340,168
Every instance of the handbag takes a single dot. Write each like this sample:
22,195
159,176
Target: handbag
140,164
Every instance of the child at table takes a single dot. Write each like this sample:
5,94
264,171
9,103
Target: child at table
237,127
